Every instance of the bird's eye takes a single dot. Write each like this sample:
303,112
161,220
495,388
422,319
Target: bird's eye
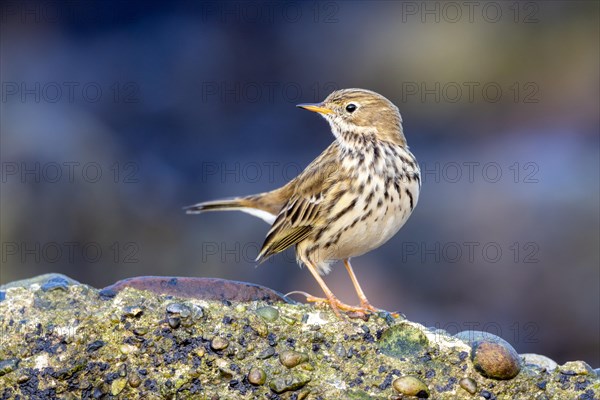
351,107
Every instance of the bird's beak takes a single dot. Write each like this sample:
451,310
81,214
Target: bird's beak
315,107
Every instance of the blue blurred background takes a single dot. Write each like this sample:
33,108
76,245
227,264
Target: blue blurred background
117,114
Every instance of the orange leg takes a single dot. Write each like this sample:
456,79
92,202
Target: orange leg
364,303
333,301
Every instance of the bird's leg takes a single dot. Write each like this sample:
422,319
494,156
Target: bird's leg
364,303
333,301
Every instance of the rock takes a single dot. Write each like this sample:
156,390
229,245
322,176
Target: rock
74,343
268,313
117,386
540,361
133,311
291,358
403,340
8,366
492,356
257,376
179,309
288,383
576,368
219,343
134,380
411,386
468,384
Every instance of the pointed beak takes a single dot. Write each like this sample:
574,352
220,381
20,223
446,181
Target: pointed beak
315,107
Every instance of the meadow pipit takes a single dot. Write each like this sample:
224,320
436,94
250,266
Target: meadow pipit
350,200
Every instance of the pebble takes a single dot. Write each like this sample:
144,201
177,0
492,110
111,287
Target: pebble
268,313
492,356
411,386
180,310
117,386
55,283
257,376
23,378
538,360
339,350
219,343
288,382
140,330
174,322
8,366
468,384
134,380
133,311
290,358
266,353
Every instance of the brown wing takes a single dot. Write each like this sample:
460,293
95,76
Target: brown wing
303,212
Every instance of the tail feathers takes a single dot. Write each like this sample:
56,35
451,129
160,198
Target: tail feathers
238,204
217,205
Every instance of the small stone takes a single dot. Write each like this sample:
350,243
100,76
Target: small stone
95,345
55,283
219,343
23,378
140,330
411,386
257,376
288,382
133,311
576,367
492,356
540,361
468,384
268,313
134,380
266,353
339,350
117,386
180,310
174,322
8,366
290,358
127,348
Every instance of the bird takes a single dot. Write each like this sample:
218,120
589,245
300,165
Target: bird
349,201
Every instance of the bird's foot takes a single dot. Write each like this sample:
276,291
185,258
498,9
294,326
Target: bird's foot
336,305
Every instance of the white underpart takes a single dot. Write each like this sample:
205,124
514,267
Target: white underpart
264,215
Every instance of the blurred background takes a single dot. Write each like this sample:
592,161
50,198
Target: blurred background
115,115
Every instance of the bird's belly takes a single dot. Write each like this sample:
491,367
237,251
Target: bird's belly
369,235
381,223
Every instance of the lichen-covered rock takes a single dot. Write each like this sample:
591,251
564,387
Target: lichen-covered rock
67,340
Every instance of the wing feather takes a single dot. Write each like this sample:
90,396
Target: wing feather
307,205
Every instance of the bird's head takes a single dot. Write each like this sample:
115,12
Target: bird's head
359,112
